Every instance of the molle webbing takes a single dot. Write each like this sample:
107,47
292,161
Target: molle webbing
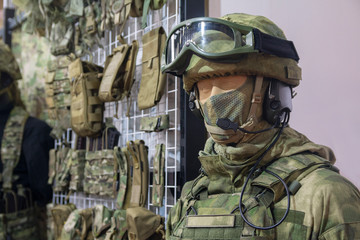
11,145
58,97
62,166
86,107
110,87
77,170
140,171
158,175
152,80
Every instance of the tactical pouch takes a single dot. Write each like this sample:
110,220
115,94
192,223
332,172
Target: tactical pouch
111,84
152,80
86,107
49,92
144,224
101,221
154,124
137,8
62,35
78,225
158,176
63,159
91,26
140,172
60,213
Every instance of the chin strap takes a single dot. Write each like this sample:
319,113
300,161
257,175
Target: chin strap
250,123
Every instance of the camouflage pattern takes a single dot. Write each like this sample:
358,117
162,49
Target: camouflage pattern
154,124
8,63
214,195
101,173
77,170
11,145
57,90
118,229
123,179
52,166
32,53
50,226
78,225
61,37
60,213
158,176
63,163
19,225
283,69
101,221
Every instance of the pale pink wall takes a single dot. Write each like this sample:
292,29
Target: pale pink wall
326,34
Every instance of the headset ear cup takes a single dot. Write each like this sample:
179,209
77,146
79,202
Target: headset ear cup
278,101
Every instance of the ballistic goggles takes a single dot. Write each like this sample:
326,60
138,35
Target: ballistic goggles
218,40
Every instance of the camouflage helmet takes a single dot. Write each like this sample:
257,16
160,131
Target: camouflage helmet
8,62
282,69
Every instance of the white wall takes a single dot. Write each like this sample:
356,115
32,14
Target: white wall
326,34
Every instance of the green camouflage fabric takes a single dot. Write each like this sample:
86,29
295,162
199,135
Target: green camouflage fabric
11,145
58,96
19,225
123,179
32,53
52,166
63,163
8,62
101,173
50,226
262,64
118,229
154,124
326,206
78,225
158,176
101,221
77,170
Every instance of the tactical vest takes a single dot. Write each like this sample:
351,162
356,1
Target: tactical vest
20,224
198,215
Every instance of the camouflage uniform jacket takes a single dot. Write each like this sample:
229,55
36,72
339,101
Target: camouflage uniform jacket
326,206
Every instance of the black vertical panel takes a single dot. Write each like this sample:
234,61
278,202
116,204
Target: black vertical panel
193,133
8,13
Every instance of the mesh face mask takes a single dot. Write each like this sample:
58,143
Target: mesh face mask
234,105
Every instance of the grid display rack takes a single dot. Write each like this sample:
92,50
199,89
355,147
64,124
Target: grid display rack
167,17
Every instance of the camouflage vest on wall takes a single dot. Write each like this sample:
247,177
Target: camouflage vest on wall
200,215
19,224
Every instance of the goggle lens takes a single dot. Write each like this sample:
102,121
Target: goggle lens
209,37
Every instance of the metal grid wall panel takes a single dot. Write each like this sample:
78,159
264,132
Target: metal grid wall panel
129,127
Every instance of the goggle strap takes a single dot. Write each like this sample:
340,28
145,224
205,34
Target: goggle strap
275,46
256,99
